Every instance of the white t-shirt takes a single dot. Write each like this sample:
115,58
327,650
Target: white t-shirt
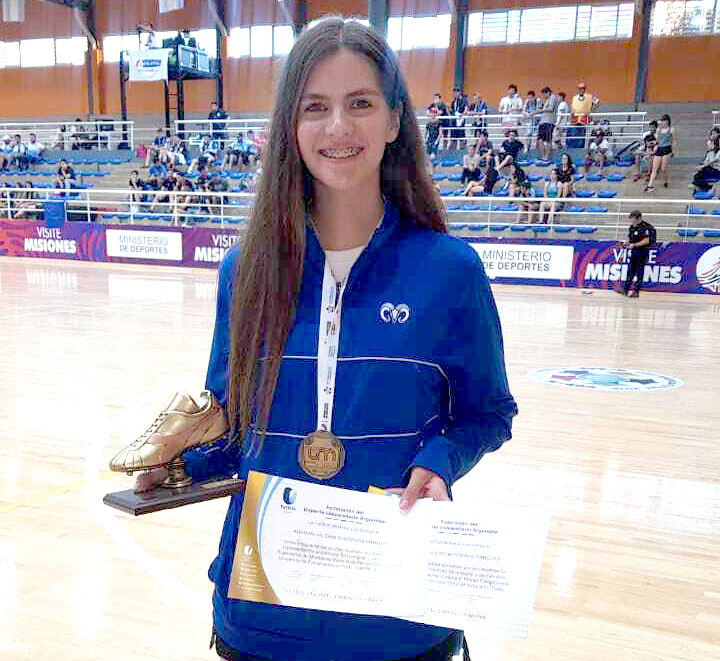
341,261
34,148
563,110
511,105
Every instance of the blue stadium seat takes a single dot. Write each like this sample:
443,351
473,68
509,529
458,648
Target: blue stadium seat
607,193
623,164
579,177
688,232
541,228
509,207
703,195
616,176
448,163
435,177
716,212
534,177
476,227
455,207
519,228
696,211
501,193
498,228
457,226
586,229
597,209
584,192
712,234
543,164
574,208
455,176
594,177
524,162
561,229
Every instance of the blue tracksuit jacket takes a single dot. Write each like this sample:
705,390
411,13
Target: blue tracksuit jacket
430,392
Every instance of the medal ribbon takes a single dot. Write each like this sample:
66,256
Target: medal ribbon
328,346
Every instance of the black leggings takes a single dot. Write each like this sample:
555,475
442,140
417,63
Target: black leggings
636,267
443,651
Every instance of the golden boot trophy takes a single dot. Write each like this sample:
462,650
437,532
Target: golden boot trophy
185,423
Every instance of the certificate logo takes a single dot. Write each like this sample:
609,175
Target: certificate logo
289,496
604,378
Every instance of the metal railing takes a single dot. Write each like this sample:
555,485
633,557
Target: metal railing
607,219
91,134
228,128
716,118
625,127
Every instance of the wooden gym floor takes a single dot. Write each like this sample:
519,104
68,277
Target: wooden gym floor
90,353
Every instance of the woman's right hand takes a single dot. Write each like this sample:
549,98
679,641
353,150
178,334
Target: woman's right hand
149,480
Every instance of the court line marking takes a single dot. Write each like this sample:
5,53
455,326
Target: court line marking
182,593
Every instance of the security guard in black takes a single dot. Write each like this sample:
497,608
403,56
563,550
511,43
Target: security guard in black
641,237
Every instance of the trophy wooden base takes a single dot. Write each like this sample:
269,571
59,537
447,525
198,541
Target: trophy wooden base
165,498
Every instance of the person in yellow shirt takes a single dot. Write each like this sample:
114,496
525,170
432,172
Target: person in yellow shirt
582,105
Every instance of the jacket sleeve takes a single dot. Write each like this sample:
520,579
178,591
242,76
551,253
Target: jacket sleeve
481,406
221,458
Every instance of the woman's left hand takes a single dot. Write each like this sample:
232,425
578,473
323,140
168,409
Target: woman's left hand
423,484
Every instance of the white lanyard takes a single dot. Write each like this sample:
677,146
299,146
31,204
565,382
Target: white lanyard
328,346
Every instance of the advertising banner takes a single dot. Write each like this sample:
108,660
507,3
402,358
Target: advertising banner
690,268
151,64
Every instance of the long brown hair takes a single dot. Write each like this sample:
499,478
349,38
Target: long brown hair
269,269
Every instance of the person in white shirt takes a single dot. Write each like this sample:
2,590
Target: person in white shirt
510,107
562,120
600,153
5,151
34,150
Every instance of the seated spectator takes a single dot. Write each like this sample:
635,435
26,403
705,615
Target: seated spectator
509,150
18,153
566,176
644,153
254,149
214,203
599,153
158,170
485,185
65,170
34,150
154,150
135,198
183,205
708,173
432,133
208,153
60,137
529,206
65,180
175,151
484,148
471,166
550,193
162,198
25,204
78,135
518,179
5,151
236,153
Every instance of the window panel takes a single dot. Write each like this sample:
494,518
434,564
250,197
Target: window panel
206,40
239,42
603,22
626,19
261,41
678,17
408,29
283,39
582,26
513,29
394,32
442,31
71,51
494,27
37,53
562,24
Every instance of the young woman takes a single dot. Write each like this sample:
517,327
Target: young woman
708,173
646,150
518,179
486,183
528,207
566,176
345,206
471,166
550,193
666,142
599,153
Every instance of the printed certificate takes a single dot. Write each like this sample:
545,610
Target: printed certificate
312,546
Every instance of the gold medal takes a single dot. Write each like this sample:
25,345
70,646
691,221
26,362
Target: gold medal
321,455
